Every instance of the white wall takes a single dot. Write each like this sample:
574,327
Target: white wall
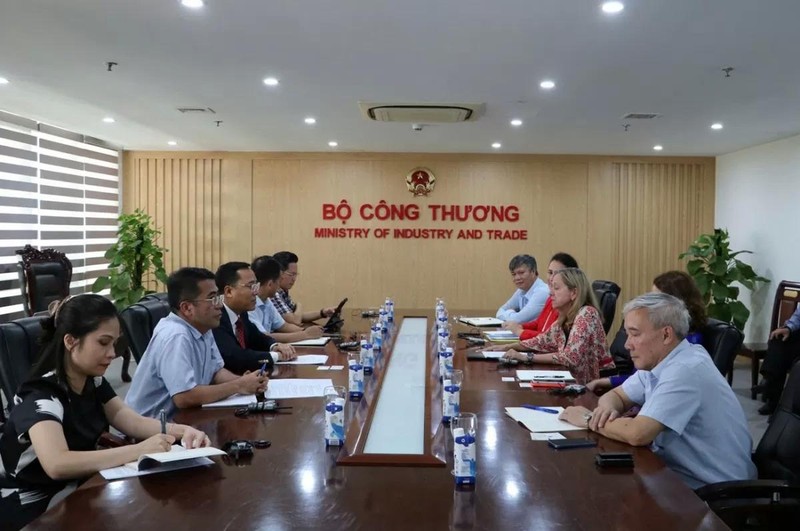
758,201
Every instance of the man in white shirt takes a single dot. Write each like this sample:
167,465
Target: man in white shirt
527,302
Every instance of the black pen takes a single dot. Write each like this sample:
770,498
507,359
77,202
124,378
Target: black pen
163,416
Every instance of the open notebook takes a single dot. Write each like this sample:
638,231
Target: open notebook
177,458
502,336
481,321
540,421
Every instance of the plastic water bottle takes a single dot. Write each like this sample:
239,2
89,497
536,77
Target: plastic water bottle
464,427
383,320
444,339
334,415
388,305
375,337
356,370
451,395
367,357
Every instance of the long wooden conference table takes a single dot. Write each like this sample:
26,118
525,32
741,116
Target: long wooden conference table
299,484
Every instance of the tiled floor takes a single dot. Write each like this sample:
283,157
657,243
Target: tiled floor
741,386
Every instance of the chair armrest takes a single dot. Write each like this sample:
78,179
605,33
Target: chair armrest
756,488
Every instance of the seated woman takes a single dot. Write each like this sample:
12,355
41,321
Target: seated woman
680,285
549,316
577,340
59,414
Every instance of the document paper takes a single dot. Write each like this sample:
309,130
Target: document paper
176,459
306,359
544,376
540,421
280,389
319,342
481,321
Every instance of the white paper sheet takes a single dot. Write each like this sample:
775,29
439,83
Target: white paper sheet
501,335
546,436
540,421
319,342
492,354
323,368
306,359
337,367
509,379
481,321
179,453
125,471
280,389
545,376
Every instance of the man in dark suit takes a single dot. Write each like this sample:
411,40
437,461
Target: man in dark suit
242,345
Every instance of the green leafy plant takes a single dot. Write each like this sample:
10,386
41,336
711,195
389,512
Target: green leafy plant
133,258
715,268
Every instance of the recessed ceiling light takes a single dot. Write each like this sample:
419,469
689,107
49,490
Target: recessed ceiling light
310,120
612,8
516,122
172,143
108,120
497,145
658,147
717,126
271,81
194,4
547,84
3,81
333,143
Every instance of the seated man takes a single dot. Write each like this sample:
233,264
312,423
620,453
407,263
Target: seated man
182,366
242,345
783,350
266,316
287,308
527,302
690,416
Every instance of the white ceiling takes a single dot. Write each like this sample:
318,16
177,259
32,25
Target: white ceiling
662,56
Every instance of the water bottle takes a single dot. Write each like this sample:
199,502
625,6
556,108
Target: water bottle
367,356
333,398
356,372
464,427
376,338
388,306
451,395
444,338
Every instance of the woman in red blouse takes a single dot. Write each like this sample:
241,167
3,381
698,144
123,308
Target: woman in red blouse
578,340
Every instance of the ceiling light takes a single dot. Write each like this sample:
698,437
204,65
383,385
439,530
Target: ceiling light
612,8
333,143
717,126
547,84
3,81
108,120
310,120
658,147
516,122
271,81
497,145
194,4
172,143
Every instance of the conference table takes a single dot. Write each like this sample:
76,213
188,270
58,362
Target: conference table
298,483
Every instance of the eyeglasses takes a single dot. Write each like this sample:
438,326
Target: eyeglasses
252,286
215,301
291,275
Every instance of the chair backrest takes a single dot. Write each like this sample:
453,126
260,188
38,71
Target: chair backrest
44,276
622,358
139,320
722,340
778,454
19,350
787,297
607,293
154,296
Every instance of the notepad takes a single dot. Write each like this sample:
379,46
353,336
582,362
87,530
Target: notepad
481,321
279,389
501,336
306,359
319,342
540,421
544,376
176,459
553,436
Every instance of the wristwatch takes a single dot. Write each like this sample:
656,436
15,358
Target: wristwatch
530,357
587,417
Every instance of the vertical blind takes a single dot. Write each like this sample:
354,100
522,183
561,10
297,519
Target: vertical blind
58,190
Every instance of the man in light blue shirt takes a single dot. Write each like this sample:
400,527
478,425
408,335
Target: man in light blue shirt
527,302
690,416
182,366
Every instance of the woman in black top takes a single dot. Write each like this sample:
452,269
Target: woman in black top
59,414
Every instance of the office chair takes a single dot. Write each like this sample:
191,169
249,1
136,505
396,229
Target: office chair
773,500
19,350
607,293
722,340
44,277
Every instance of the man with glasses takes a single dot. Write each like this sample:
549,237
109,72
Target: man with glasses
182,366
527,302
290,311
242,345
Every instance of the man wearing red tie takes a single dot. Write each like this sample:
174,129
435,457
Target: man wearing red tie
242,346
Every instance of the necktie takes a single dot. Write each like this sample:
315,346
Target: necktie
240,332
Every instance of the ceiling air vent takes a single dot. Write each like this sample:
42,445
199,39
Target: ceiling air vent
196,110
427,113
641,116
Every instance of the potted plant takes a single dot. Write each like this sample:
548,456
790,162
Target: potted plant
135,256
715,268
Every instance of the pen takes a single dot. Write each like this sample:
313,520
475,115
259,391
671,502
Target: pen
163,416
263,369
261,397
540,408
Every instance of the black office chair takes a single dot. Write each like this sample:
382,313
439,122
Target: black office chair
722,340
607,293
19,350
154,296
139,320
622,358
44,277
773,500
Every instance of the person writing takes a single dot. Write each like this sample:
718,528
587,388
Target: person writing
62,410
577,340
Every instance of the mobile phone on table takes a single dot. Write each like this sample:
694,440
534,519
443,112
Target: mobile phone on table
563,444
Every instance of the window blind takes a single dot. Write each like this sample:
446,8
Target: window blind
58,190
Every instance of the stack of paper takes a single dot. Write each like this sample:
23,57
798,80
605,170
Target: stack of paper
540,421
545,376
280,389
319,342
176,459
502,336
306,359
481,321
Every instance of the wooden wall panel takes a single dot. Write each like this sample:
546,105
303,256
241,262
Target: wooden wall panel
624,218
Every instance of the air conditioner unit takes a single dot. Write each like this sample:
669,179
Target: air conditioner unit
425,113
